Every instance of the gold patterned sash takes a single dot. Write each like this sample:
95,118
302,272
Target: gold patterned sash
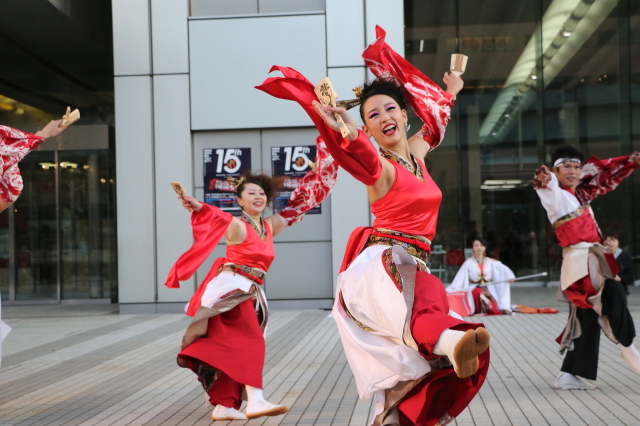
570,216
254,274
416,245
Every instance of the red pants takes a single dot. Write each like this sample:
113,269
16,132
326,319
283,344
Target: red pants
235,347
442,391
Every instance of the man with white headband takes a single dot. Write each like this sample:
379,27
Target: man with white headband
587,281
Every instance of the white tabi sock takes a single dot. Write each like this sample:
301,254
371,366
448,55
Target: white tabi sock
447,343
254,394
257,406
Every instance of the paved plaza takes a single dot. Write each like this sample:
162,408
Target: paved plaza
88,365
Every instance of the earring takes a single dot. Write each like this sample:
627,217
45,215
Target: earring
407,126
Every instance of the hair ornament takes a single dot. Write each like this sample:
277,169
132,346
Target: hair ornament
236,182
352,103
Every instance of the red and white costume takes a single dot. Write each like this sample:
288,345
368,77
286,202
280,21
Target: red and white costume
224,345
14,145
574,223
586,277
390,311
471,274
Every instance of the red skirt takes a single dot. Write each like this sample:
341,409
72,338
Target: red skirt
442,392
480,309
234,344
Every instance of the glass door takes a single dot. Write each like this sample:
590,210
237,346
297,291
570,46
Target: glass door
35,224
58,240
86,224
5,276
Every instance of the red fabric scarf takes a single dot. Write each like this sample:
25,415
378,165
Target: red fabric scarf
14,145
209,225
359,158
429,102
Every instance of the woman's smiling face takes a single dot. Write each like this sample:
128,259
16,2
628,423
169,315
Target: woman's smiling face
384,120
253,199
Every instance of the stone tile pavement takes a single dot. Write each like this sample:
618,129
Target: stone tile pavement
87,365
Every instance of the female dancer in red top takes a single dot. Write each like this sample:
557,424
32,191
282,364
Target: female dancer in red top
422,364
224,345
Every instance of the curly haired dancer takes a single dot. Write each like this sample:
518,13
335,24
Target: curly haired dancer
224,345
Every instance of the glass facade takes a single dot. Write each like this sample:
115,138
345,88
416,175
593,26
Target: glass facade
57,241
541,73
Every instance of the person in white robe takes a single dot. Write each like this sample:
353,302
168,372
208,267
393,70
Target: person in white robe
481,270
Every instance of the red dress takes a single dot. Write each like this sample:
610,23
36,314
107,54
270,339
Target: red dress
224,345
234,345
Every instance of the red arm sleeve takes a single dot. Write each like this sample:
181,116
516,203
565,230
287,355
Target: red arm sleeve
359,158
14,145
209,226
429,102
601,176
314,187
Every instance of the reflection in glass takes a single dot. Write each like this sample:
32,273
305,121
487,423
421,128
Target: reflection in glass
35,229
4,255
540,73
86,224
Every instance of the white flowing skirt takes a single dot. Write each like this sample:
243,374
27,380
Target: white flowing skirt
379,359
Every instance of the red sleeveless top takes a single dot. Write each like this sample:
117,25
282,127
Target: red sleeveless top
253,251
410,206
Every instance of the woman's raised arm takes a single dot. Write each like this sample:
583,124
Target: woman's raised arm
235,233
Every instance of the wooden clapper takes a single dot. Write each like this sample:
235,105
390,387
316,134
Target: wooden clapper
177,186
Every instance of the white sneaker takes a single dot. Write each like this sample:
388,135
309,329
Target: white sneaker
220,412
566,381
632,356
261,407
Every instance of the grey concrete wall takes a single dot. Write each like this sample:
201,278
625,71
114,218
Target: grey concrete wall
184,84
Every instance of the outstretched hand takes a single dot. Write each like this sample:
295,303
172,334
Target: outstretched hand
453,82
52,129
327,114
542,177
189,202
635,157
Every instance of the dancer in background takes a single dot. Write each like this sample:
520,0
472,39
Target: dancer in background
14,145
422,365
626,274
596,299
487,282
225,343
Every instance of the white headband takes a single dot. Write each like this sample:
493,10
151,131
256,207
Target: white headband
566,160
